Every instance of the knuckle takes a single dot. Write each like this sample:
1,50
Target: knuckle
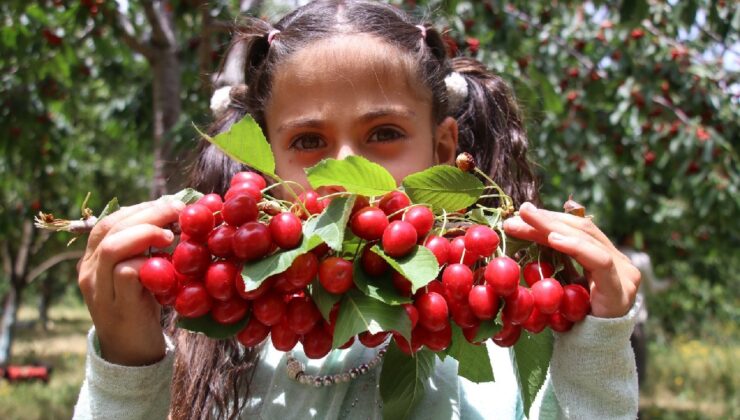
85,283
102,227
107,247
125,272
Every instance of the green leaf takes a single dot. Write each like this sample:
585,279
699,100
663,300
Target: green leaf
443,187
633,11
245,143
551,100
111,207
332,222
380,287
255,273
187,196
359,313
420,266
323,299
402,381
355,173
487,329
531,356
473,361
206,325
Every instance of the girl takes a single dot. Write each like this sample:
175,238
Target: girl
332,79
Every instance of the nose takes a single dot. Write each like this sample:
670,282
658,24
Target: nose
345,149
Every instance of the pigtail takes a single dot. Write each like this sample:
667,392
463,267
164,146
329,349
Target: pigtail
492,129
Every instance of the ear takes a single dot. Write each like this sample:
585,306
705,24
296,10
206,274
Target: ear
445,141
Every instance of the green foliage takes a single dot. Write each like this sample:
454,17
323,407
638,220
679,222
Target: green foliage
473,361
244,142
355,173
206,325
402,381
419,266
359,313
532,357
434,187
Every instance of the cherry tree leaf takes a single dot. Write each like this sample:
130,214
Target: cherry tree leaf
332,223
359,313
355,173
402,381
473,360
443,187
531,356
244,142
377,287
323,299
420,265
206,325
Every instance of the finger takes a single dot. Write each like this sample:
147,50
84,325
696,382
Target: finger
160,213
584,224
128,290
544,225
594,258
518,228
103,226
123,245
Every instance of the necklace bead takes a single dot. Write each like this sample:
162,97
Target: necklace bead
296,371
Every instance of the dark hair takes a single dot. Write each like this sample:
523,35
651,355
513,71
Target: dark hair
212,377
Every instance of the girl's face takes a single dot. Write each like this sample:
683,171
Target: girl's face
347,96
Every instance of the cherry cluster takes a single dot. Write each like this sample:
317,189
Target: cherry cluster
202,276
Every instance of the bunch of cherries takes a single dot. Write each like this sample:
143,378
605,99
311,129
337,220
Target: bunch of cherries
202,276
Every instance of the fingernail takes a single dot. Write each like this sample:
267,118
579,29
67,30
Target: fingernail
178,205
528,206
512,221
556,237
168,234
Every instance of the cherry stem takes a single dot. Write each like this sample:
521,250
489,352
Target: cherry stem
508,201
292,192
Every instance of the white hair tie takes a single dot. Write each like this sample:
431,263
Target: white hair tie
220,100
457,90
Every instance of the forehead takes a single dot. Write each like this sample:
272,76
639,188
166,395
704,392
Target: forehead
353,64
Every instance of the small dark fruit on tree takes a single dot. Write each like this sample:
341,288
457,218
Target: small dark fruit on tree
335,275
481,240
547,295
502,273
193,301
399,238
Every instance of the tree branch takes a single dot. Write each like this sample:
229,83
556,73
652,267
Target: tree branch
51,262
663,102
7,260
161,21
21,260
128,34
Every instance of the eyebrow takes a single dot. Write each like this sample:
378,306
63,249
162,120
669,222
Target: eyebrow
369,116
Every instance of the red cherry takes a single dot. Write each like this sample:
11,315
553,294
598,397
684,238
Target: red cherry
440,247
247,176
470,334
335,274
284,286
462,314
253,294
158,276
219,280
508,336
282,336
481,240
413,314
547,295
399,238
433,311
360,203
405,346
230,311
519,306
559,323
303,269
576,303
401,284
373,340
421,218
167,299
394,202
435,286
191,258
310,200
457,280
536,322
502,273
531,272
369,223
253,334
436,340
269,308
240,210
286,230
252,241
483,301
196,220
317,343
457,246
219,241
372,263
348,344
214,203
193,301
302,314
244,188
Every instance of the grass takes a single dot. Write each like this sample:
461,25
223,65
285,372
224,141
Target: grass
687,378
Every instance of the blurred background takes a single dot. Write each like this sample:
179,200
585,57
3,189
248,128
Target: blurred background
632,107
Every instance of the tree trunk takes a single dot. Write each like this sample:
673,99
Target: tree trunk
167,108
7,325
45,302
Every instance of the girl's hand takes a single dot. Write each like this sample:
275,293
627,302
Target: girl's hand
126,316
611,275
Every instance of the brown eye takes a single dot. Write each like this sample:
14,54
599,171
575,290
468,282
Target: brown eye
385,134
308,142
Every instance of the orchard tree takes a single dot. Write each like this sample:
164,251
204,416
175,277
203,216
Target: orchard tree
632,107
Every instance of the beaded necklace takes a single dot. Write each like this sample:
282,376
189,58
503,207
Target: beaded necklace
296,371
